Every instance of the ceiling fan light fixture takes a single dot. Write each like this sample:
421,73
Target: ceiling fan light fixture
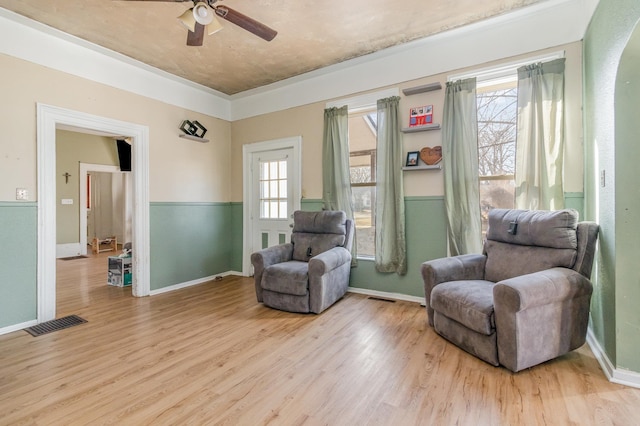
188,20
202,13
214,26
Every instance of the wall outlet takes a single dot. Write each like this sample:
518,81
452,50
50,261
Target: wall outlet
603,179
22,194
67,201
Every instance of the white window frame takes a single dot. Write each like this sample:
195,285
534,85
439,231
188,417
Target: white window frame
505,72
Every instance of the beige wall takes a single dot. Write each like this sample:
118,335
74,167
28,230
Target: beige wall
71,149
183,170
305,121
180,169
308,122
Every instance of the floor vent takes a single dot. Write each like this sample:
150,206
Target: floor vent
381,299
54,325
73,257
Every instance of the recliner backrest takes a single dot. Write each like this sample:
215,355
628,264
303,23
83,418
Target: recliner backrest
521,242
316,232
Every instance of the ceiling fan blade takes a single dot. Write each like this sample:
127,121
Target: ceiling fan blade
195,38
243,21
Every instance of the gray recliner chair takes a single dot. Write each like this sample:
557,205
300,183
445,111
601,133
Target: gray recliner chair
311,272
526,299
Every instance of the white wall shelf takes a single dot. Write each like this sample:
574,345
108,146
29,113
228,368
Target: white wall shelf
194,138
421,89
421,128
423,167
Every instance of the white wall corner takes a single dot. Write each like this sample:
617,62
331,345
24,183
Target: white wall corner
17,327
211,278
386,295
68,250
613,374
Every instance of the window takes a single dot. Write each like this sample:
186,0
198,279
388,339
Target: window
497,114
273,189
362,169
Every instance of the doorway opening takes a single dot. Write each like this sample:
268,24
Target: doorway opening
105,204
50,118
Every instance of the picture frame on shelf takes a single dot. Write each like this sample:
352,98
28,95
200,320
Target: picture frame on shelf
421,116
412,158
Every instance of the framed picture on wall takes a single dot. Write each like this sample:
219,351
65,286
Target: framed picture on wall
412,158
421,116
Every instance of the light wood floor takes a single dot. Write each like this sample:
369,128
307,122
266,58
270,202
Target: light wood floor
211,354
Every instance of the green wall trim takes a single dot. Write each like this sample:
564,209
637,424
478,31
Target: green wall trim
195,204
18,262
311,204
425,198
18,204
573,195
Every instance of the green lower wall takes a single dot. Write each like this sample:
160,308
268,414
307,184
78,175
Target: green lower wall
190,241
426,240
575,200
236,212
18,257
425,222
311,205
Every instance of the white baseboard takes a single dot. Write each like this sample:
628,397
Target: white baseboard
386,295
614,375
16,327
192,283
67,250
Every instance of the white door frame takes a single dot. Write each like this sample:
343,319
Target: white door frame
85,168
48,119
295,143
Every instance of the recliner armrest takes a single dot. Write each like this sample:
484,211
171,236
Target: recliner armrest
540,288
328,261
540,316
272,255
456,268
267,257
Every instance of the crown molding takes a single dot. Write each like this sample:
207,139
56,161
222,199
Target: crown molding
540,26
35,42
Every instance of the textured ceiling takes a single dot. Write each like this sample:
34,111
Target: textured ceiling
311,34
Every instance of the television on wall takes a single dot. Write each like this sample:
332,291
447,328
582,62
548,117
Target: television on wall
124,155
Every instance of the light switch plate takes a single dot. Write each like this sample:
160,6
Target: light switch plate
22,194
67,201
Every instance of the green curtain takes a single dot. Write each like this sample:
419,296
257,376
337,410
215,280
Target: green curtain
460,162
540,136
336,180
391,246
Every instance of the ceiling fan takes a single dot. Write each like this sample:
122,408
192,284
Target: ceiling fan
201,18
